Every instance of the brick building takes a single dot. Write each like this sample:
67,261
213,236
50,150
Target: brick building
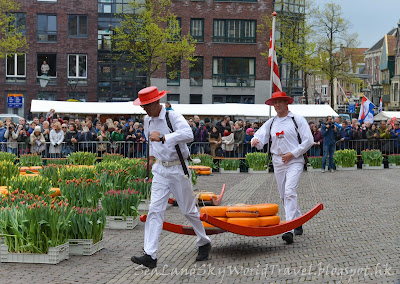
230,67
62,33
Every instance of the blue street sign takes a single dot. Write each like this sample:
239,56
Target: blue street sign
14,100
352,107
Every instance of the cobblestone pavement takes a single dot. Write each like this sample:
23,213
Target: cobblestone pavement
355,239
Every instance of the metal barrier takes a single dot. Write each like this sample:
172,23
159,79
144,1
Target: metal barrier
386,146
238,151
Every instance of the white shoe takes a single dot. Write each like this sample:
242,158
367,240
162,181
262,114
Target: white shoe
331,170
323,170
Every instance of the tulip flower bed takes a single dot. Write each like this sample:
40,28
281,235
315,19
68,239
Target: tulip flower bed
30,160
56,162
70,172
81,192
9,157
121,202
52,172
38,185
142,186
113,179
7,171
82,158
112,158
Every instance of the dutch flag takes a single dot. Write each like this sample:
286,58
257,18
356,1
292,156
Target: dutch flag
366,111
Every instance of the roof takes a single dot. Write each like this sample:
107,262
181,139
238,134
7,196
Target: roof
377,46
241,110
391,45
384,115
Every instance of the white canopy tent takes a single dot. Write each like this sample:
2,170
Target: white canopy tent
385,115
247,111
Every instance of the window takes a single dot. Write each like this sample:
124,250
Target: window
196,73
46,96
175,28
197,29
82,97
18,22
77,68
49,59
46,28
16,68
77,25
238,31
196,99
235,0
233,72
238,99
174,74
173,98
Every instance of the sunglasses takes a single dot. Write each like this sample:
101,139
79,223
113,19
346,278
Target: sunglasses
63,127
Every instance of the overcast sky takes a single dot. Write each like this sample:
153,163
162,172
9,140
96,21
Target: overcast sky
371,19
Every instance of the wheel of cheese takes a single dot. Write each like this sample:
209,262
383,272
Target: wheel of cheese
241,210
215,211
55,191
205,172
247,222
269,220
3,190
207,196
31,175
206,225
267,209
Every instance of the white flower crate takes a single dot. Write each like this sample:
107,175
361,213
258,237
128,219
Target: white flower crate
368,167
118,222
340,168
311,169
251,171
143,205
394,166
223,171
84,246
54,256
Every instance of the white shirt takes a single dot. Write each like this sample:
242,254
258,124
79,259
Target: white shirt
288,141
182,134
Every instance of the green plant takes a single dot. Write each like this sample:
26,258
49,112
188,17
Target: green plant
113,179
345,158
38,185
82,158
372,157
206,160
257,161
194,176
9,157
315,162
52,172
81,192
394,159
141,185
229,164
30,160
111,158
33,227
71,172
7,171
60,161
87,223
121,202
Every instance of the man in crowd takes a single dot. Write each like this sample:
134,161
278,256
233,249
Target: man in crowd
290,138
329,132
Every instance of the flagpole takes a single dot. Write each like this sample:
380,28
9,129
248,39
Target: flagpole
272,47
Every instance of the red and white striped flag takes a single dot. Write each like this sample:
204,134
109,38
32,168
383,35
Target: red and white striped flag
275,76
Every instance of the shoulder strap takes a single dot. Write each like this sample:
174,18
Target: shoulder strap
178,149
295,126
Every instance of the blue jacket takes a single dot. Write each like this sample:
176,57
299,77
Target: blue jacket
346,133
2,132
329,136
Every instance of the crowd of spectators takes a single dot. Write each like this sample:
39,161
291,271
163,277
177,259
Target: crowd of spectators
53,136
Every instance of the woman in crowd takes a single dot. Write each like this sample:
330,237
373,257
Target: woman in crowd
116,138
239,135
215,140
3,140
56,139
71,139
37,141
247,140
315,150
11,135
23,139
228,141
103,136
85,138
373,137
130,137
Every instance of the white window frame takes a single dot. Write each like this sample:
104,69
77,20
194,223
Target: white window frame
15,66
77,66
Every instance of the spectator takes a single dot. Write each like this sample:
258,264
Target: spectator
255,126
329,132
315,150
140,139
78,125
345,135
31,127
201,139
239,135
130,137
85,138
338,123
103,136
384,133
207,124
71,139
373,137
116,138
357,134
215,140
64,128
11,136
98,128
56,138
3,140
395,134
168,106
221,125
23,139
247,140
37,141
228,142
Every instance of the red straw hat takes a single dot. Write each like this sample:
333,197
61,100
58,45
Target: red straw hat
148,95
280,96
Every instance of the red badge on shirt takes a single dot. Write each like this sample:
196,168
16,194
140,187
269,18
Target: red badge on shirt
279,134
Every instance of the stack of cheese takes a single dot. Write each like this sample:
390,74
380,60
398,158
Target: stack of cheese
258,215
201,170
205,196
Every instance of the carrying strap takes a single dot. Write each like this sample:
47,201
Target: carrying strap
178,149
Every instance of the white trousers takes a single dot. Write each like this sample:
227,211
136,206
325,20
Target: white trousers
287,177
180,186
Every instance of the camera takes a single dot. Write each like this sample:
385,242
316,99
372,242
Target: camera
10,127
328,125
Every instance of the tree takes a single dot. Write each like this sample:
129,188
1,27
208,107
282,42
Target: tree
332,36
11,39
151,37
